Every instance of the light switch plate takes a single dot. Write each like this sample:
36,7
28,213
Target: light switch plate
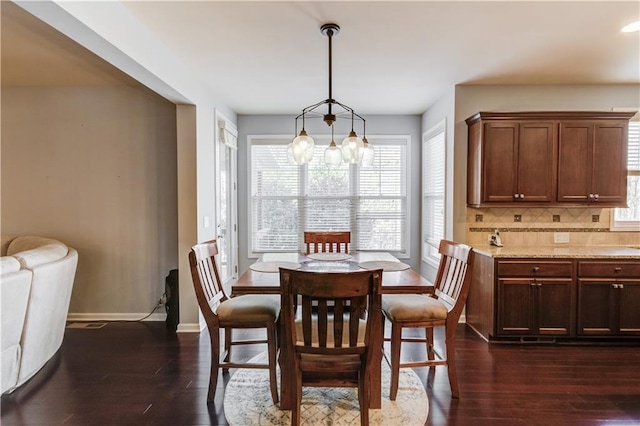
561,237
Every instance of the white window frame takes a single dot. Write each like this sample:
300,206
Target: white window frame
323,140
627,225
430,243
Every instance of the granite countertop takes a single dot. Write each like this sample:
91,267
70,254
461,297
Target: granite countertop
560,251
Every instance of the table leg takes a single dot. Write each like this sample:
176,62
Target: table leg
376,369
287,380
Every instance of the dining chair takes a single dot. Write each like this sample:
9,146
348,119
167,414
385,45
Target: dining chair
332,242
443,308
222,312
330,347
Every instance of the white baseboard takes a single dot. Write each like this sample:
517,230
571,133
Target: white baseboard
189,328
116,317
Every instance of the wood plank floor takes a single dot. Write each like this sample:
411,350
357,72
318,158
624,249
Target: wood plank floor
140,374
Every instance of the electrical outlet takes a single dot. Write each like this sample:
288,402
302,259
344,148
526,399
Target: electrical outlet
561,237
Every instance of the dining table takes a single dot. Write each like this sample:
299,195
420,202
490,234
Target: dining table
263,277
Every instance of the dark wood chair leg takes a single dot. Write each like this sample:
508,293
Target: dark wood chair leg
451,360
396,342
228,338
215,363
295,409
272,351
429,334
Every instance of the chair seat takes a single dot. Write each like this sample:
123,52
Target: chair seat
250,308
413,307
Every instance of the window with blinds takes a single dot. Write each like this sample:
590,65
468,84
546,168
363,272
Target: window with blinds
433,189
287,200
629,219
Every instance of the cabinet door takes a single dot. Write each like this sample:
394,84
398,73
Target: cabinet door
536,162
609,176
596,307
592,162
575,154
629,316
515,307
554,307
499,163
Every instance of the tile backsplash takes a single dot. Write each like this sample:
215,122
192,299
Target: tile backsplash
537,226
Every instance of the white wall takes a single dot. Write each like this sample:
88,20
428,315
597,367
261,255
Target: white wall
96,169
285,125
108,30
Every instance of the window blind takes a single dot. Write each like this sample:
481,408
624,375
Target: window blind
433,190
286,199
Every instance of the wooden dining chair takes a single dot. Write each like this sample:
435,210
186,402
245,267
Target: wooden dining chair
443,308
330,347
331,242
222,312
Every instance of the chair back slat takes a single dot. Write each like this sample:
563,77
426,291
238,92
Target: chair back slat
327,242
332,307
452,280
206,279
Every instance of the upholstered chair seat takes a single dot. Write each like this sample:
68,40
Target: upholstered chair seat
249,308
413,307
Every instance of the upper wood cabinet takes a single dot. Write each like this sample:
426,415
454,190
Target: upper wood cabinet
547,158
593,162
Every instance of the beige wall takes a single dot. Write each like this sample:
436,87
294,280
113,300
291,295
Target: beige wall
95,168
579,222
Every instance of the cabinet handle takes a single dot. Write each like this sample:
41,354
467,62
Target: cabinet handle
617,285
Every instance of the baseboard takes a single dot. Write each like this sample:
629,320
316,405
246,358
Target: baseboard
116,317
189,328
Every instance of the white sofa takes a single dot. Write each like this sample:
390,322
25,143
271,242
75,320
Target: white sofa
36,279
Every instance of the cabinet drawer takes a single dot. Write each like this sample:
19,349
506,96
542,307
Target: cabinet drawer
534,269
617,269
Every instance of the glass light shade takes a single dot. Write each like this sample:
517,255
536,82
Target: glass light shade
290,158
352,148
368,153
303,146
333,156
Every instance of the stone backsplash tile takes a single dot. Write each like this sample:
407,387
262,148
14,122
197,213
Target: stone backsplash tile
537,226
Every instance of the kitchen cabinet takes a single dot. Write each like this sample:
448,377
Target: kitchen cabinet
609,298
592,162
534,298
582,293
541,159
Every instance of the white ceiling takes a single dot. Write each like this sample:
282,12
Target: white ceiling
390,57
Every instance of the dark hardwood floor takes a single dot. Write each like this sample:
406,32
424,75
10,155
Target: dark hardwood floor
140,374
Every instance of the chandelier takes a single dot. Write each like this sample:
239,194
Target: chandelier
353,150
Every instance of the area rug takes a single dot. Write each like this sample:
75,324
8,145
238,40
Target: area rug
247,401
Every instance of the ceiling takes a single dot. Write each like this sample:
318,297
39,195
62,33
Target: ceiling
390,57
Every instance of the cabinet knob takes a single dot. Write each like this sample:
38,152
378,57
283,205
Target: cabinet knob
590,197
516,196
533,283
617,270
521,196
536,269
620,285
596,196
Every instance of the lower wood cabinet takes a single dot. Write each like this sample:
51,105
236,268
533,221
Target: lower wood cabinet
564,298
538,304
608,298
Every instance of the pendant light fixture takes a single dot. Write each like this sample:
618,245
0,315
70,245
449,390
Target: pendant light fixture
353,148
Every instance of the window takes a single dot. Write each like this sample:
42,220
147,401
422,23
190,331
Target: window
433,187
629,219
287,200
